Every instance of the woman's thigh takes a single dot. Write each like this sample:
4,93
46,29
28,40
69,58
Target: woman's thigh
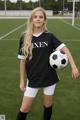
28,98
48,95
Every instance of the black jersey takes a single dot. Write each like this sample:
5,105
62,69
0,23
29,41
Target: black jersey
38,69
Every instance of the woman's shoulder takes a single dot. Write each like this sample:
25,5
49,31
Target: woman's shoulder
50,34
22,36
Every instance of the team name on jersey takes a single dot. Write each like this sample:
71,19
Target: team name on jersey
39,44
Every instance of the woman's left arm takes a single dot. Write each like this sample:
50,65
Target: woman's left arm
74,69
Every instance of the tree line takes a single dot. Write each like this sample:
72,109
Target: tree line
54,5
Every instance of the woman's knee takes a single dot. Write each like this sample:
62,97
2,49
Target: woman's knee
47,101
26,104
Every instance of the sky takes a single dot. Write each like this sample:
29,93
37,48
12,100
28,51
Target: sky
14,1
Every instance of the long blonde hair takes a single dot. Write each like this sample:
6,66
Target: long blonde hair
27,45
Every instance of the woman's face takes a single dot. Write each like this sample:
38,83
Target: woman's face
38,19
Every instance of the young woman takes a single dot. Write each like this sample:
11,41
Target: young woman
36,44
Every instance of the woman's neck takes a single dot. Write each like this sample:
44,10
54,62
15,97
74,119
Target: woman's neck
38,30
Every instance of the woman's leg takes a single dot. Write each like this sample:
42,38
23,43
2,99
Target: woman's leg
47,107
25,107
26,104
28,98
47,102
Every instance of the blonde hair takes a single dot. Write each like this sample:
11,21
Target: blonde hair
27,45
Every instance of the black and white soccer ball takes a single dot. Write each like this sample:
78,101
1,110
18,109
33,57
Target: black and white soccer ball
58,60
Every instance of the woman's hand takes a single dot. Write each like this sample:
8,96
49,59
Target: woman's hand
75,73
22,87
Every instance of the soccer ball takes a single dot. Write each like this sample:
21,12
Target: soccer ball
58,60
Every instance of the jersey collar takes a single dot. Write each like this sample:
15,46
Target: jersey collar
37,35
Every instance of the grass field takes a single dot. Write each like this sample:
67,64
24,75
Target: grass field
67,96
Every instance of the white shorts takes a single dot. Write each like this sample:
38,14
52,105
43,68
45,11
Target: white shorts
32,92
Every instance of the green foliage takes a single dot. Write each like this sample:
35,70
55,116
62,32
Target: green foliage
47,4
1,5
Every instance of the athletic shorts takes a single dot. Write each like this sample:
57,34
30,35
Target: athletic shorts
32,92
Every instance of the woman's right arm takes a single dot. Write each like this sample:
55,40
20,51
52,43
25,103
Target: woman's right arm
22,72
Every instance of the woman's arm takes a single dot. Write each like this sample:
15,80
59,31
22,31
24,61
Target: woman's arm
22,72
75,71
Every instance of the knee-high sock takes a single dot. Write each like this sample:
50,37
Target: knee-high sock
47,113
21,116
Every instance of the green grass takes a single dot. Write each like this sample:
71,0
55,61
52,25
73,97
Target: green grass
66,98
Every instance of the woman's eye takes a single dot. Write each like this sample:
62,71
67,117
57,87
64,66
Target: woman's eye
35,17
38,17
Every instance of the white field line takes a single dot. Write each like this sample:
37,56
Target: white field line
12,31
78,25
71,25
66,40
71,40
26,17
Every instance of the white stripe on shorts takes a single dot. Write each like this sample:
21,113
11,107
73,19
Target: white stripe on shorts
32,92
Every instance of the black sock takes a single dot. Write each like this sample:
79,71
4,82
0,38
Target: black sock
47,113
21,116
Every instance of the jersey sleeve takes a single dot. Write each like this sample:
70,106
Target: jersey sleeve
20,54
57,44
